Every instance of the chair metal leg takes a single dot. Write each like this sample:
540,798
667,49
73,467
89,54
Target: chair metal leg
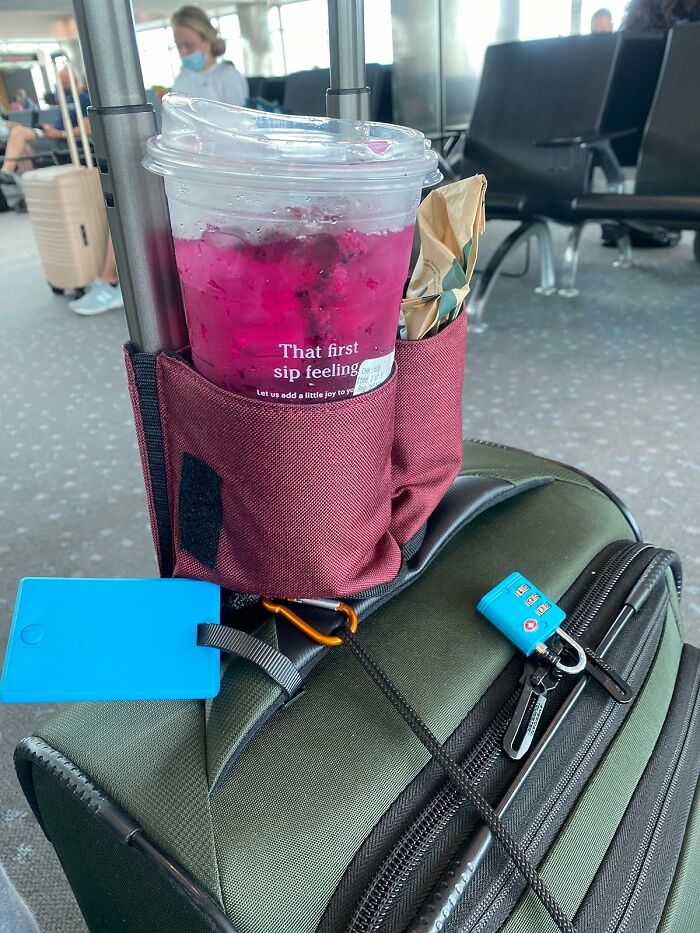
624,245
545,250
487,279
570,264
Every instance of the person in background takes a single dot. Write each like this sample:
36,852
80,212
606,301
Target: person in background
202,75
602,20
23,142
645,15
200,48
23,101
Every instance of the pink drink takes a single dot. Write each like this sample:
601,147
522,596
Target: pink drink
294,319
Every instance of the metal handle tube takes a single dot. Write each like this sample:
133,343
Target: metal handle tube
110,53
137,209
78,115
63,104
347,97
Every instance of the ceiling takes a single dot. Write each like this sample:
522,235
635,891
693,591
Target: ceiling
65,7
53,19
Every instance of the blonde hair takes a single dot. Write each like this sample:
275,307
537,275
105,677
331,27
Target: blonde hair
194,18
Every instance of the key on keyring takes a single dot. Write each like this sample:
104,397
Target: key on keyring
528,619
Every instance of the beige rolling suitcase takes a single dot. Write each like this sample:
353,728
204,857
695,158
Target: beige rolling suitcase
67,211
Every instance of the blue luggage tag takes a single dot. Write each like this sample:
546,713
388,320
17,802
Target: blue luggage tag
84,639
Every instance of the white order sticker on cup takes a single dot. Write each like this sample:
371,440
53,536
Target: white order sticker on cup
372,373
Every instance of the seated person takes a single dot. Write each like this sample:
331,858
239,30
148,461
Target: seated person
23,143
23,101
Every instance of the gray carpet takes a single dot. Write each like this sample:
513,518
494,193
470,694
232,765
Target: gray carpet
608,381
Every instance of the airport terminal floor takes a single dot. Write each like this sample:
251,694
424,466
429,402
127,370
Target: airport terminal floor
608,382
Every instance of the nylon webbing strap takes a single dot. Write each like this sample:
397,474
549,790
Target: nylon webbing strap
276,665
147,387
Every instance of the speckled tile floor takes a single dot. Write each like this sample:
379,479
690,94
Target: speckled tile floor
609,382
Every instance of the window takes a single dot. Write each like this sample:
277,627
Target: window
305,31
540,19
230,32
159,59
378,39
267,41
254,40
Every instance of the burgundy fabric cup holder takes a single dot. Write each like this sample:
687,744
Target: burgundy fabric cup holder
297,500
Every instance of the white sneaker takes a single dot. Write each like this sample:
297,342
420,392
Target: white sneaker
100,297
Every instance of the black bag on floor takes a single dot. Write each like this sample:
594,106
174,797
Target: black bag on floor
642,236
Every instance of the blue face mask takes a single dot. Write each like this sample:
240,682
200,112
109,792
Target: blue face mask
195,61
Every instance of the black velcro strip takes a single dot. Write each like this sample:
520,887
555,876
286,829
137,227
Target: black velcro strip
201,512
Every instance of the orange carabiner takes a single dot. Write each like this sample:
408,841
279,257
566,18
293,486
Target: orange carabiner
330,641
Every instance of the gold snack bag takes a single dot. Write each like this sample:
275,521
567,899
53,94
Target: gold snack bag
450,220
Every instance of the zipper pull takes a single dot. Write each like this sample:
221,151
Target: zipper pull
537,682
617,687
586,661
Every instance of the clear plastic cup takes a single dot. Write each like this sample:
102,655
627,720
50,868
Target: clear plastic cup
293,238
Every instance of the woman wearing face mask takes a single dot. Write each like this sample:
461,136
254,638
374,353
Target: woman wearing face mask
202,75
200,47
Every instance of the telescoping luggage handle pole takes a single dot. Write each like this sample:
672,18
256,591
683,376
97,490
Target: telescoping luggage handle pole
65,113
121,121
347,97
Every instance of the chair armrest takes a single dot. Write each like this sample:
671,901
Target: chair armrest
583,140
600,144
449,139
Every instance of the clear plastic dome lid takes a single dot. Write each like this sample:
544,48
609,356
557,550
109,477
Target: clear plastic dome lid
203,136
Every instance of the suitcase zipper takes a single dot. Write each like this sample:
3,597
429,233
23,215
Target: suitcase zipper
408,852
646,851
473,854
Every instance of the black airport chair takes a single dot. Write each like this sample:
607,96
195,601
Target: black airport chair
667,184
305,92
530,91
548,112
272,89
23,117
632,87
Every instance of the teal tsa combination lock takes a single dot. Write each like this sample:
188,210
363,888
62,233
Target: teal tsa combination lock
528,618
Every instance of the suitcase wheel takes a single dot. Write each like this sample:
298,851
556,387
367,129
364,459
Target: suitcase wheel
57,291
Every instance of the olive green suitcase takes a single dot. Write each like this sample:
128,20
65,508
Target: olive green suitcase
252,814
